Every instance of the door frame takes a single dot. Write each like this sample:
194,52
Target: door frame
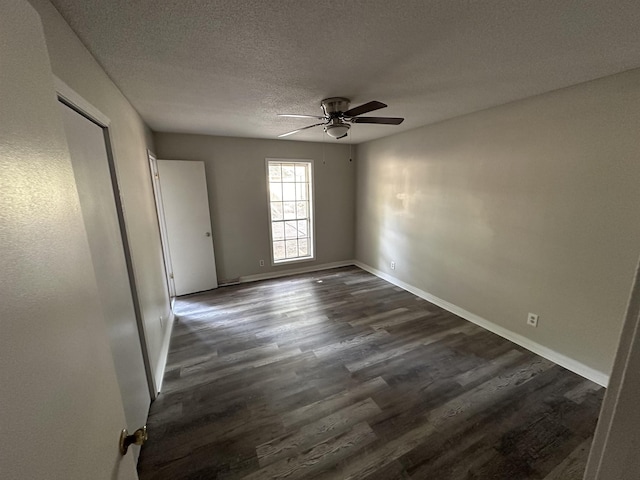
74,101
612,452
162,225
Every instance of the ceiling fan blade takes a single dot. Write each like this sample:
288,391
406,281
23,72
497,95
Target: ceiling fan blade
379,120
294,115
299,130
364,108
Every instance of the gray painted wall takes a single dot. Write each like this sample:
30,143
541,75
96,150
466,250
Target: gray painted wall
74,65
60,405
528,207
236,180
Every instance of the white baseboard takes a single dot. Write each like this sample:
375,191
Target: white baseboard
164,350
294,271
581,369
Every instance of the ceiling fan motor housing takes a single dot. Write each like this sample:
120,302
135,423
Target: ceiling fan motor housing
334,107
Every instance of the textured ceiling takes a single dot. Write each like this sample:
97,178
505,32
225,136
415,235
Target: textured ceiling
227,67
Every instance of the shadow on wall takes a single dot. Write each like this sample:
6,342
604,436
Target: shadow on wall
406,202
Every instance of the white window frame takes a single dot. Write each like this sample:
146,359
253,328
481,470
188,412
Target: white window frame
312,204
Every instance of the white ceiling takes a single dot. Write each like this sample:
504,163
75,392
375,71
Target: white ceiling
227,67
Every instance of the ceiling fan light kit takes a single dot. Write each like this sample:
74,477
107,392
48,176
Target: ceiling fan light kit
338,117
337,129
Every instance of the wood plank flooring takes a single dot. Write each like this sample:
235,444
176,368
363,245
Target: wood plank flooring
341,375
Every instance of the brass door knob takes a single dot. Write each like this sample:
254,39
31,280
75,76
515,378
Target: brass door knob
136,438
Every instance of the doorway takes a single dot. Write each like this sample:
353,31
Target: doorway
182,204
162,225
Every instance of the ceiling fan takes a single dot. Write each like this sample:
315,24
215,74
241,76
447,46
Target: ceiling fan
338,117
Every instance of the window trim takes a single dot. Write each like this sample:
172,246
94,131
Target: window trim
312,206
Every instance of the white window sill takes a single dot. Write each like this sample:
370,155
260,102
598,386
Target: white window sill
292,260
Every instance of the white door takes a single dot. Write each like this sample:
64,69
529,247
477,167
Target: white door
186,210
90,161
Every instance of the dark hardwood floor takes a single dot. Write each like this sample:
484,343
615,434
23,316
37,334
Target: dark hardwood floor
341,375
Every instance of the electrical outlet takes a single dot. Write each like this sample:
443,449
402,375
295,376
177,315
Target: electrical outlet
532,320
262,263
393,265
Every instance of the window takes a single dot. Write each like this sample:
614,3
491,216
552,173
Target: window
290,210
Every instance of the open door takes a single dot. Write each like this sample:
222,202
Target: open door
185,202
94,172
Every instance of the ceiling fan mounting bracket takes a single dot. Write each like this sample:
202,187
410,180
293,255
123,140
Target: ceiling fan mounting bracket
334,107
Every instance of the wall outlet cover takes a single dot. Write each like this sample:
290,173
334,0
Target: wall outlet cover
532,319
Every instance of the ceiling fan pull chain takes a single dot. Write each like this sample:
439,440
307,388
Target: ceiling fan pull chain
324,162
